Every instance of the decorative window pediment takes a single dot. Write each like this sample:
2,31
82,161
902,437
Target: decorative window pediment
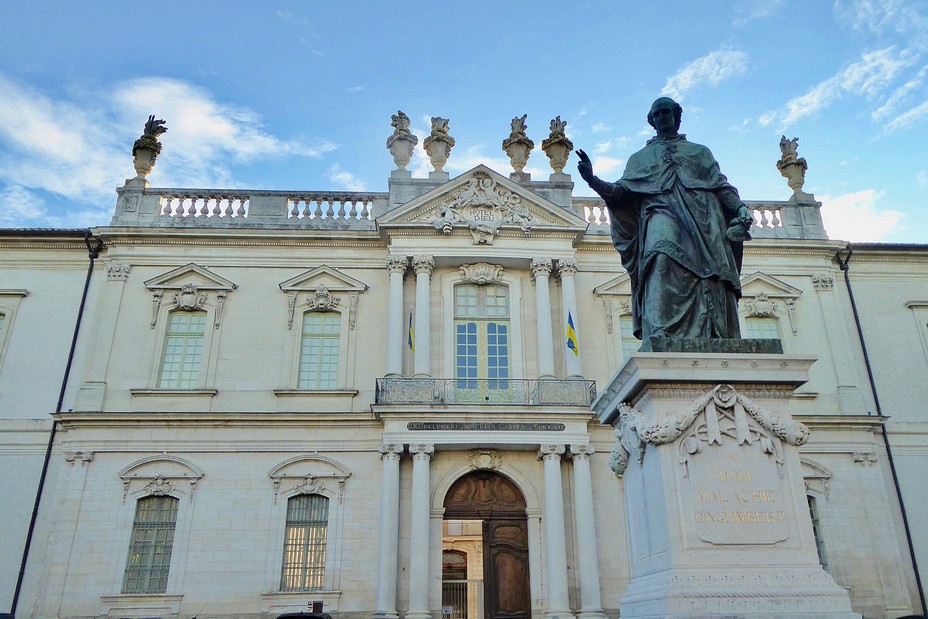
816,477
322,289
764,296
483,203
616,295
160,476
309,475
191,287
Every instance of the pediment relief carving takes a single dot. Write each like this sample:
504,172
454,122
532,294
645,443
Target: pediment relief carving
483,202
322,289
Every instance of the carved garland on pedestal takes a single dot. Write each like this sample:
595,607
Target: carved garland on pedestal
725,412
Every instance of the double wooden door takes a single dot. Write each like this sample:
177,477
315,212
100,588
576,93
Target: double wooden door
497,501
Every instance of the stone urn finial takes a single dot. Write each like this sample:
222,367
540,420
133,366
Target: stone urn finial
146,149
557,146
438,144
793,167
402,141
518,146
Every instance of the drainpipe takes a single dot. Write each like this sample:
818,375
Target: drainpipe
93,252
843,264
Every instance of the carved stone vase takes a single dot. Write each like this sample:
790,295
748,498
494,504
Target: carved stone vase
518,152
402,153
438,151
794,172
557,153
144,153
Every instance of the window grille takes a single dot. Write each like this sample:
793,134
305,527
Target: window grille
304,543
152,542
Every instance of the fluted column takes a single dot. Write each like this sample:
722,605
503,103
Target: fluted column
588,566
388,548
396,267
419,533
558,605
423,266
541,271
567,268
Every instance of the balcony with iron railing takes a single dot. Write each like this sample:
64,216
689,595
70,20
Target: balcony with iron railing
485,392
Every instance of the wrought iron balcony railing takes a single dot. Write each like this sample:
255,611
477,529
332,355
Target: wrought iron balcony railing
486,391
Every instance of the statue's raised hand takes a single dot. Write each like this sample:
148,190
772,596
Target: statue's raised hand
584,166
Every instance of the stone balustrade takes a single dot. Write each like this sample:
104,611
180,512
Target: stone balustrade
772,219
227,208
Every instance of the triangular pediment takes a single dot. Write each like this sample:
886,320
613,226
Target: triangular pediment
757,282
199,276
621,285
332,279
481,196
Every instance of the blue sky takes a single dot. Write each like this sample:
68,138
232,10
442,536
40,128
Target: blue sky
298,94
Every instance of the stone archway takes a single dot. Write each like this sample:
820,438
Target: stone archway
496,501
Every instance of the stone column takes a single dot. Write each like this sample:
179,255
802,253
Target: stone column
396,267
388,548
558,605
541,271
423,266
567,268
419,533
588,565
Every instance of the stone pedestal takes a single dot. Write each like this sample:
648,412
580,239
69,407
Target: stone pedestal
718,521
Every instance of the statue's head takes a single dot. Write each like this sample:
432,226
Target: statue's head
665,106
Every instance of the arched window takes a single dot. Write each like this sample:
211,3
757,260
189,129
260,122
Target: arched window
319,346
304,543
481,338
183,350
151,545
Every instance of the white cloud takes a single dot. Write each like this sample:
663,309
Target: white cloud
601,128
711,69
346,180
608,167
80,147
908,118
749,10
869,76
899,95
857,217
611,144
885,17
354,89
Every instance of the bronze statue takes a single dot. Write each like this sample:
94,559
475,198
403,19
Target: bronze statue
679,227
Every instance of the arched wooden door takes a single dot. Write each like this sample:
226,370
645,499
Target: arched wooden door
493,498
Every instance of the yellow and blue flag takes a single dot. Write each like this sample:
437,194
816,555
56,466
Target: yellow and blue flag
411,337
572,335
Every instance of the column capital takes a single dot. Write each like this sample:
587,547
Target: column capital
566,266
422,451
81,457
541,266
582,451
117,271
423,264
823,281
390,451
551,452
397,264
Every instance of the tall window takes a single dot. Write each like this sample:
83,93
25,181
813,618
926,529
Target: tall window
762,328
817,531
319,350
151,545
481,332
304,543
183,350
630,343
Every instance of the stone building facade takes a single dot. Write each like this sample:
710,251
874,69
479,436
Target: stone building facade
380,402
